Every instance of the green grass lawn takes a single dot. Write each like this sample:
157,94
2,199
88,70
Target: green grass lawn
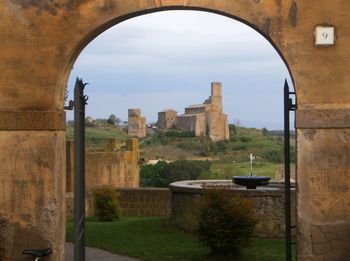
153,239
95,136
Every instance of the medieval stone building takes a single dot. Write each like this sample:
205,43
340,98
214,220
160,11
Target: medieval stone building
136,123
206,119
167,119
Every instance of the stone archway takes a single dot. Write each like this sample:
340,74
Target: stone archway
39,44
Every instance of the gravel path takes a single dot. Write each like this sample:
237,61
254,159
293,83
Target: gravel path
93,254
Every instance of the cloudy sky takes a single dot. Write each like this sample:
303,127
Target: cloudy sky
167,60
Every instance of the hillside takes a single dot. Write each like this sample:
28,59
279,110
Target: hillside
227,158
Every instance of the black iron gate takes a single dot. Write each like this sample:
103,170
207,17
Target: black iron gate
79,168
288,106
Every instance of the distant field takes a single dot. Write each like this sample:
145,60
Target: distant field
95,136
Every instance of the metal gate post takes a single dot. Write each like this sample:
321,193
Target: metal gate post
79,170
288,106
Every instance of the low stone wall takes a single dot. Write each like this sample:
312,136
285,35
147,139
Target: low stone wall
268,206
134,202
109,167
145,202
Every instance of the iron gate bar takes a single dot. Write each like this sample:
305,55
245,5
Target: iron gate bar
288,106
79,170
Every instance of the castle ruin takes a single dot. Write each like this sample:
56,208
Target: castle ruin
206,119
136,123
167,119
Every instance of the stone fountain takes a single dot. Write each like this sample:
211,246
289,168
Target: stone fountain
251,182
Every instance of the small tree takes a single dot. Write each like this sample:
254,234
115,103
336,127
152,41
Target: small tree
226,222
107,207
264,131
112,119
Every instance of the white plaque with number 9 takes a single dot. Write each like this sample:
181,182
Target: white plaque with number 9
324,35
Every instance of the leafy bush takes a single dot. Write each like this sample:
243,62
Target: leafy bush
275,156
178,133
226,222
245,139
107,207
264,131
239,147
163,173
233,130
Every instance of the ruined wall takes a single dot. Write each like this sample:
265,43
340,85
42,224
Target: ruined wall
215,99
192,122
39,45
117,169
218,126
167,119
136,123
196,109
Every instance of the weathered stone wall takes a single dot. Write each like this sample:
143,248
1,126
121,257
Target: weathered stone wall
218,126
31,188
136,123
167,119
193,122
196,109
187,123
117,169
145,201
134,202
323,198
268,206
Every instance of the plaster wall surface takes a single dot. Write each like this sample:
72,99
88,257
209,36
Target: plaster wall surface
40,41
32,184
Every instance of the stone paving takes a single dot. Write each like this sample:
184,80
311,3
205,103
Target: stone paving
93,254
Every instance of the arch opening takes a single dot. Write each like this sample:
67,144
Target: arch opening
281,84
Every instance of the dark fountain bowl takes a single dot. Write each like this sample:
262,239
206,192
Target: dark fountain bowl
251,182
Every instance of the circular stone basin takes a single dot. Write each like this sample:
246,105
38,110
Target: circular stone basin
251,182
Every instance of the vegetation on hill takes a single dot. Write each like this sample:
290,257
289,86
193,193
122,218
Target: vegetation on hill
227,158
95,136
163,173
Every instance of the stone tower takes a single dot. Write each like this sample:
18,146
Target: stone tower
215,100
136,123
167,119
207,118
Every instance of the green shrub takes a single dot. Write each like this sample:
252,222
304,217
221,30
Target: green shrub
179,133
163,173
275,156
233,130
226,222
239,147
106,201
264,131
245,139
